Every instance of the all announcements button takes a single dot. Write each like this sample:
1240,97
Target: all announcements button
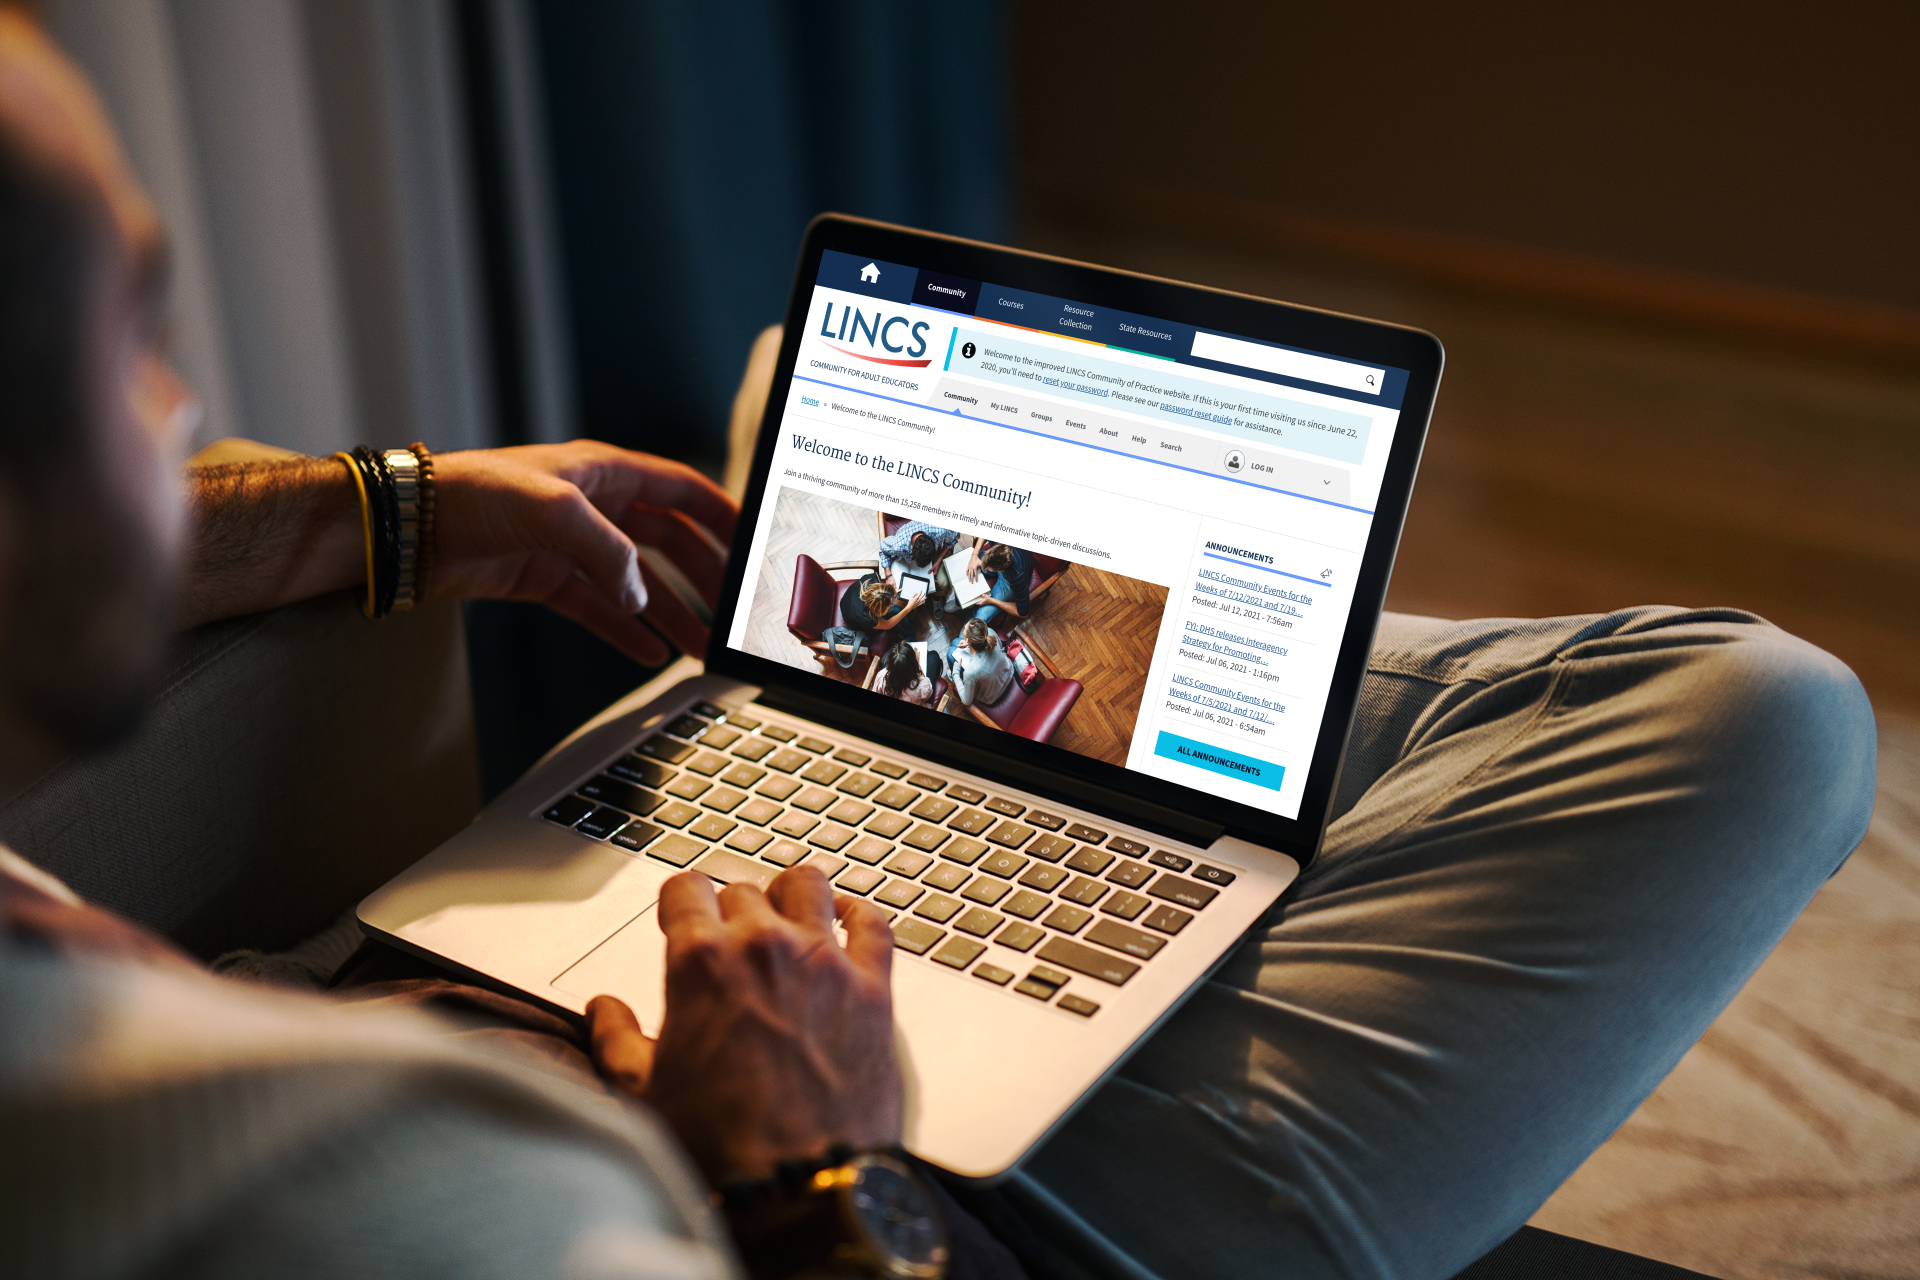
1201,755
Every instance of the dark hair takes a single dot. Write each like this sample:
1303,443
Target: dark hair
46,230
922,548
902,671
999,557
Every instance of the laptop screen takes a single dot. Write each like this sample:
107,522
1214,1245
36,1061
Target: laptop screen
1124,537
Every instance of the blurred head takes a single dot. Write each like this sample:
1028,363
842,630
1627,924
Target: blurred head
978,635
94,425
879,597
902,671
999,557
922,548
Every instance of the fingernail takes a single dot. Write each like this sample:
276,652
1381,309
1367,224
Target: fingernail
636,595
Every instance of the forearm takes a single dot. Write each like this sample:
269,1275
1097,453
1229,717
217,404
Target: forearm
270,533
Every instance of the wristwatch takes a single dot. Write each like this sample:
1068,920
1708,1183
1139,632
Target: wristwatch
868,1217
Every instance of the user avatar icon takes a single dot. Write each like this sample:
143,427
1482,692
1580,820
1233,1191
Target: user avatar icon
1236,461
967,351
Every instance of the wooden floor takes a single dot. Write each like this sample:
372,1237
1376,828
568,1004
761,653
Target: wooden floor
1099,626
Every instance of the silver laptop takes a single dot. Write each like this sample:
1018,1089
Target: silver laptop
1198,495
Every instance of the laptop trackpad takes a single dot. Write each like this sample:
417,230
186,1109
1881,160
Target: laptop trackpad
632,964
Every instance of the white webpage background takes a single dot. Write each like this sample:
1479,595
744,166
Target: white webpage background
1153,522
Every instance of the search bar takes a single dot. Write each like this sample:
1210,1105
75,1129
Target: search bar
1291,364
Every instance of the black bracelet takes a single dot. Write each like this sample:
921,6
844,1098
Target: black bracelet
382,528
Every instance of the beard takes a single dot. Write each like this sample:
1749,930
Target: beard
92,610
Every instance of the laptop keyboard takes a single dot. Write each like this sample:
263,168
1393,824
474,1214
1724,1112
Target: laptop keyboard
953,867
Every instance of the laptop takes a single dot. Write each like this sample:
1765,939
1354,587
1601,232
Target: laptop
1208,490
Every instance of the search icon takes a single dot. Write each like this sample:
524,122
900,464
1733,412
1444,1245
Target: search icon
1369,379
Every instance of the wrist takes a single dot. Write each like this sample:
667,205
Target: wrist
855,1216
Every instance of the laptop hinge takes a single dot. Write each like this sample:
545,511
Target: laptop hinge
1027,776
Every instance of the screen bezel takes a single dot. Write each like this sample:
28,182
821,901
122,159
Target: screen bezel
1348,337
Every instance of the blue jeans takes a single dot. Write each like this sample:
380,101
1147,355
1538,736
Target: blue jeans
1559,849
992,616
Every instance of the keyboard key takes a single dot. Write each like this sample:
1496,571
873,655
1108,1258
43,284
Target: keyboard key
1020,937
635,836
779,733
934,809
984,889
786,853
858,785
1131,942
959,952
1130,875
1004,864
832,837
851,812
978,922
676,849
1052,977
915,936
712,827
887,914
724,799
624,795
729,869
927,782
720,738
1084,891
895,796
711,710
1077,1004
1132,848
1081,958
1004,807
741,720
666,749
749,840
993,973
813,799
966,795
1045,821
676,814
1214,875
909,864
1050,848
869,850
708,764
1171,861
759,812
777,788
819,746
925,838
1081,831
964,850
1168,920
1091,860
889,825
1043,877
753,749
888,769
1026,904
899,893
1067,919
786,759
1038,990
796,823
742,776
648,773
829,865
860,880
824,772
847,755
1125,905
972,821
939,908
1011,834
1172,888
688,786
949,877
685,726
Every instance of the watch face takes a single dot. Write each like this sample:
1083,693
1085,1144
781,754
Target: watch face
899,1218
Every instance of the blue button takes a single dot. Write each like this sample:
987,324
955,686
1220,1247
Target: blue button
1201,755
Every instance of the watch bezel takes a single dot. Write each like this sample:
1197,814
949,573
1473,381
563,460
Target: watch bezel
845,1181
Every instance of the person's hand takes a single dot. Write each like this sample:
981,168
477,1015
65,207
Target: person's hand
777,1042
919,597
973,561
558,523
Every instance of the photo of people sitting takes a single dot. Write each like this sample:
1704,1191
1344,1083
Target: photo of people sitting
964,622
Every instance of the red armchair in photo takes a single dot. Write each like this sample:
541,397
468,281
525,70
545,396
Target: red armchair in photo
815,605
1037,713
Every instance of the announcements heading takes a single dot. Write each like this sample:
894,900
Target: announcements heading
1064,317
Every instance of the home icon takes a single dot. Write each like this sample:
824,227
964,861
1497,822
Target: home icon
869,273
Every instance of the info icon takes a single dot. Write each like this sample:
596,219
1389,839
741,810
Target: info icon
1236,462
967,351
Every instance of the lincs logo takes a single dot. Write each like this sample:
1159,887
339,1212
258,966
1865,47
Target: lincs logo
881,330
